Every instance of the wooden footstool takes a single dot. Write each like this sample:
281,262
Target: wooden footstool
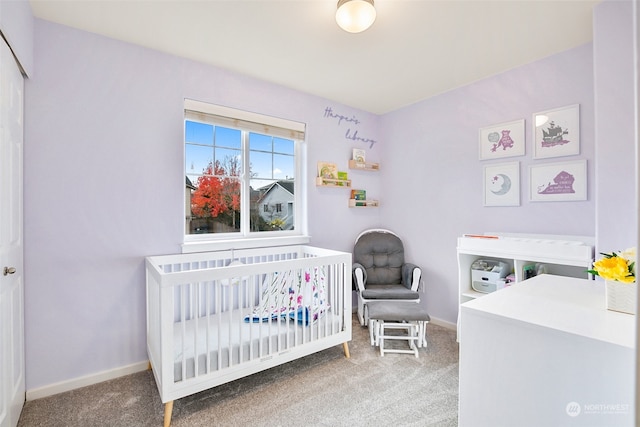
405,315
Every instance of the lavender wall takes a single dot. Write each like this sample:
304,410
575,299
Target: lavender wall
617,215
433,183
104,187
16,24
104,179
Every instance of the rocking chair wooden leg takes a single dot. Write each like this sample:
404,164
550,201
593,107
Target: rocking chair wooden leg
345,346
168,409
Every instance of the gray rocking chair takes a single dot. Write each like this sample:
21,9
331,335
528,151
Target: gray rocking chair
380,272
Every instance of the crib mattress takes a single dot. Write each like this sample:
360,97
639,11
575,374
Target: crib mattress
209,344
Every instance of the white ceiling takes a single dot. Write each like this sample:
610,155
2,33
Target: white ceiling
416,48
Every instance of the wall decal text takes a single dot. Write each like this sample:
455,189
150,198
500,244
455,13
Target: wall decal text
328,113
355,137
349,134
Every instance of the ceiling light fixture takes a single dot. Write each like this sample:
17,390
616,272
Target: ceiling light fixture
355,16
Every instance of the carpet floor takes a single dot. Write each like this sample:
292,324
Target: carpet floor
322,389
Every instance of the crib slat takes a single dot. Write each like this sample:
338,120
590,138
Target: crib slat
183,326
195,318
207,313
218,316
232,319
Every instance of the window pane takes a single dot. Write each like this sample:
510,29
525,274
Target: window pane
197,158
283,167
199,133
267,205
225,137
261,164
229,162
214,204
260,142
284,146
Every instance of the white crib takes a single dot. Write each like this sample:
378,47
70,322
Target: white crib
215,317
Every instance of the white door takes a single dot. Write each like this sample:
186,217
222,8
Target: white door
12,382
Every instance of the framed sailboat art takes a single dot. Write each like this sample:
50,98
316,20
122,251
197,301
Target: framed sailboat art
556,133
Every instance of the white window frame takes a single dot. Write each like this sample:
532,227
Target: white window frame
259,123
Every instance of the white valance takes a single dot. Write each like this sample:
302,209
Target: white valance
246,120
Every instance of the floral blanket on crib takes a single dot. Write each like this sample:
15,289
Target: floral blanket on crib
297,294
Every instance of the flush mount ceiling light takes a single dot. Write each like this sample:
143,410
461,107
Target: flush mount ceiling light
355,16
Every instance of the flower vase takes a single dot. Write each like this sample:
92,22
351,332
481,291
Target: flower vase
621,296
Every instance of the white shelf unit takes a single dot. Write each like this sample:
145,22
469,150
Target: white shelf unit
569,256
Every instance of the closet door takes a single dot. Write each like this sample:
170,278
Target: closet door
12,379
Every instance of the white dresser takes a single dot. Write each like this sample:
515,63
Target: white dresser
546,352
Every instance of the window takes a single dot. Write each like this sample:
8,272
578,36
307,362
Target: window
236,162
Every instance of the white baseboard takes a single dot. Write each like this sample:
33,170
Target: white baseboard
444,324
61,387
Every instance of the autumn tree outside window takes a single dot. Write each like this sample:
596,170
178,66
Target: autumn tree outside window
235,162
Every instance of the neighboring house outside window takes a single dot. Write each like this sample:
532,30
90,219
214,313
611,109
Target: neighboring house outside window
274,197
234,163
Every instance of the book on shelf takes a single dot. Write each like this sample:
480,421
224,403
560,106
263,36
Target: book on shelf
359,194
342,179
359,155
327,170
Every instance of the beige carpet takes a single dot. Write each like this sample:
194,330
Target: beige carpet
323,389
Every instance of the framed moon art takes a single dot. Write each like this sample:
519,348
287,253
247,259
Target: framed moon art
502,184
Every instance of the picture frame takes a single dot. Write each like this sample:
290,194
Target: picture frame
502,184
556,133
502,140
558,182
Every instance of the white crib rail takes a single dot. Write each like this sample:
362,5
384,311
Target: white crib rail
196,304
